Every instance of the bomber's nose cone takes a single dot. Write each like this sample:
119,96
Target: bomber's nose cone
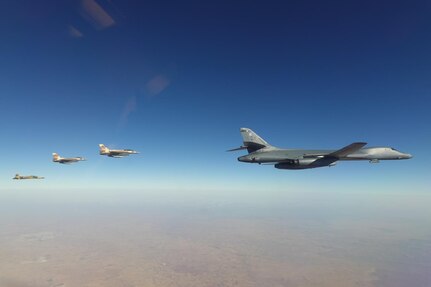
408,156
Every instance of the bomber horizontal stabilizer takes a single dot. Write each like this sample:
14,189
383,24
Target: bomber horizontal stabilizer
238,148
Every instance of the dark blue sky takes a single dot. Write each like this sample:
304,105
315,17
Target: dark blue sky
176,80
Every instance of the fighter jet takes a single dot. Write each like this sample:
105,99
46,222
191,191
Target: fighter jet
63,160
103,150
17,176
259,151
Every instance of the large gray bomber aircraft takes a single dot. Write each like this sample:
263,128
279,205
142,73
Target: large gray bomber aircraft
259,151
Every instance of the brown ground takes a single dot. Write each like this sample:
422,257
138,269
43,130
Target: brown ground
92,246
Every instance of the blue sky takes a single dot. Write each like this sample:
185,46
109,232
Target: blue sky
177,79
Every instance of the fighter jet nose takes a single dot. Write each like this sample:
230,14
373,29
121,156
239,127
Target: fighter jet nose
405,156
242,159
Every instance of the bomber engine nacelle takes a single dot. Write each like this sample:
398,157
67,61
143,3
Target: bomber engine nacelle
305,163
296,164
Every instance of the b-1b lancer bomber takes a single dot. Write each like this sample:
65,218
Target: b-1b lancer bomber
17,176
66,160
103,150
259,151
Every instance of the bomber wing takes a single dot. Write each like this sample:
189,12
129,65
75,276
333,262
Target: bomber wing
345,151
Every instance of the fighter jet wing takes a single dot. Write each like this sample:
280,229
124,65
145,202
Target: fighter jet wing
67,160
351,148
117,152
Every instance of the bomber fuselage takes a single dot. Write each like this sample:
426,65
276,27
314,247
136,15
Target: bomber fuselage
276,155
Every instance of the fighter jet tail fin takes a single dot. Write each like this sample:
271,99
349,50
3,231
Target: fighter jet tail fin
103,149
252,141
55,156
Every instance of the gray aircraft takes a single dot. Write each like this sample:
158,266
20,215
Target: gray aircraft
259,151
17,176
103,150
66,160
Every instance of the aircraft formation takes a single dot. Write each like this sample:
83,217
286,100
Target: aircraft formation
103,150
261,152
